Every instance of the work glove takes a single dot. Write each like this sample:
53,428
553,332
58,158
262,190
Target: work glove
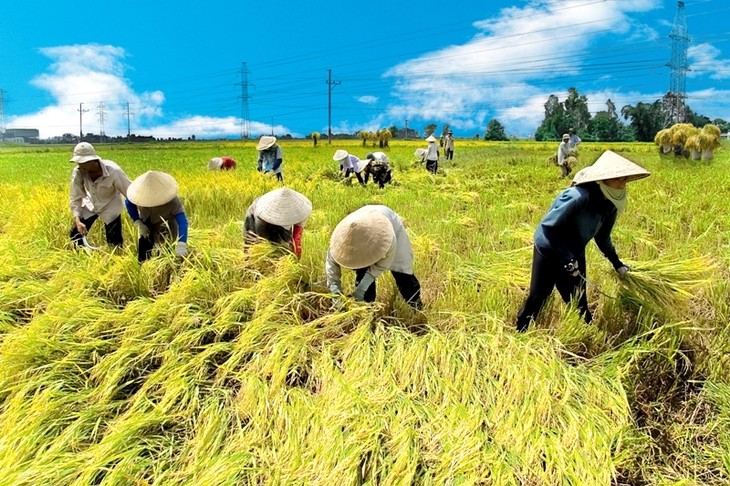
181,249
623,270
572,268
142,229
335,289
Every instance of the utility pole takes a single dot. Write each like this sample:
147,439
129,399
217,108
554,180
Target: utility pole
330,86
679,66
245,127
272,126
406,128
81,116
129,129
101,120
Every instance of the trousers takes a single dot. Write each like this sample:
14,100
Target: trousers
113,230
408,286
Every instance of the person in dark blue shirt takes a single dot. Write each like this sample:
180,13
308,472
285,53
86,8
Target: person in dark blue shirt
586,210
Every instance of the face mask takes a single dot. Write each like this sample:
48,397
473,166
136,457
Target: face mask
619,197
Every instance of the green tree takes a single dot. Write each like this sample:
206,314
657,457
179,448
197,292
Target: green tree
394,131
495,131
430,129
646,119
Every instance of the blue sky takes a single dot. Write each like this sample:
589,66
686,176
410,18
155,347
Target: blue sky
178,66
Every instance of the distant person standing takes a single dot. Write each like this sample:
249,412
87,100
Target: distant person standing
432,155
270,157
158,213
97,189
449,145
573,140
563,154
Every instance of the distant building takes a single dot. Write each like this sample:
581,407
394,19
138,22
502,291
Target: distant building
27,134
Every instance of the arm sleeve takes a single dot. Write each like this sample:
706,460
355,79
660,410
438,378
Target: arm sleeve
334,274
377,268
277,164
259,162
121,183
132,210
77,193
603,240
182,227
296,240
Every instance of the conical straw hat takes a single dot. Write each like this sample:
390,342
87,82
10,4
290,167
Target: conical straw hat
431,138
152,189
361,239
340,155
420,152
215,163
266,142
283,207
610,165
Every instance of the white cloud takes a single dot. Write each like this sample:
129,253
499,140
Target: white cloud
495,74
93,74
705,60
368,99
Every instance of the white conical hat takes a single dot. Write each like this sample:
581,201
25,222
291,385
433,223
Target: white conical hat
283,207
340,155
610,165
361,239
266,142
420,152
431,138
152,189
215,163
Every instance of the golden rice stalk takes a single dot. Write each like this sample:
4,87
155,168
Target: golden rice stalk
666,287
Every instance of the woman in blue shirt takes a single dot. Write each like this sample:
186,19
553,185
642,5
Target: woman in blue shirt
586,210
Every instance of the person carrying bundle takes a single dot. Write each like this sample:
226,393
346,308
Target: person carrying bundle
586,210
432,155
278,216
563,154
379,167
350,164
157,213
370,241
97,187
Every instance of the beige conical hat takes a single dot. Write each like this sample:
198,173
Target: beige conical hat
361,239
340,155
610,165
152,189
420,152
431,138
215,163
283,207
266,142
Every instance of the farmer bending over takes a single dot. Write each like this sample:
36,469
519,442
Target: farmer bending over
350,164
270,157
379,167
370,241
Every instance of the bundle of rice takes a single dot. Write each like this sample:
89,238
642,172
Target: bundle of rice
663,139
666,287
680,132
693,146
552,160
571,161
708,141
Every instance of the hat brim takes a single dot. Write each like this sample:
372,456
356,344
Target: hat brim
361,239
610,165
82,159
266,143
283,207
152,189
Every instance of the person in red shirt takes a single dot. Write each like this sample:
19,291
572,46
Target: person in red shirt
278,216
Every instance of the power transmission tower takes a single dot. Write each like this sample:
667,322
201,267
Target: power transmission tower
81,124
245,124
129,125
330,86
2,113
674,101
101,113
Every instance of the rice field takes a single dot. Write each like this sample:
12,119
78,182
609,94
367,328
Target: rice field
238,368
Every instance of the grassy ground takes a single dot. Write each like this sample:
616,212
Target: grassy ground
234,368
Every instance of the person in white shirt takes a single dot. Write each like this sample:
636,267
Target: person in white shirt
449,145
432,155
350,164
564,153
370,241
97,189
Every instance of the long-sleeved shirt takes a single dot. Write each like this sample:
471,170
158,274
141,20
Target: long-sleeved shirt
159,218
563,152
432,152
270,160
574,140
351,162
398,258
449,142
102,196
577,215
